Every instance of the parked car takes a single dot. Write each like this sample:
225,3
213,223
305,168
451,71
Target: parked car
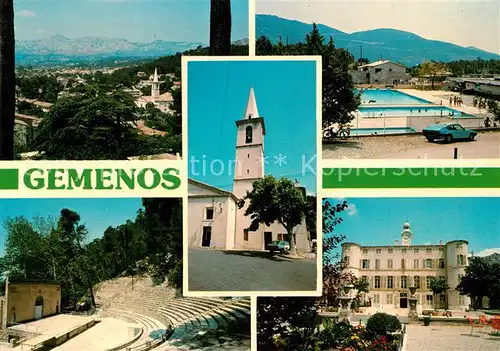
281,246
448,132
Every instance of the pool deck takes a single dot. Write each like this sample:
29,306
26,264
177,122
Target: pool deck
435,96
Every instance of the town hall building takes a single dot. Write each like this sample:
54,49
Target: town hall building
214,219
391,270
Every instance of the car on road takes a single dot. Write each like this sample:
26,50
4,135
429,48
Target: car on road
281,246
448,132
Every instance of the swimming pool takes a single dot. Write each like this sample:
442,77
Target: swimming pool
389,97
399,111
381,131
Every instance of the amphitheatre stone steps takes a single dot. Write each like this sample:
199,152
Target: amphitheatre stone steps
140,311
147,323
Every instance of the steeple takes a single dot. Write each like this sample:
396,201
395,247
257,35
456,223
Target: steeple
155,86
251,110
406,235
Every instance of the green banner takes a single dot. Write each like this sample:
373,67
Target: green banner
9,179
418,177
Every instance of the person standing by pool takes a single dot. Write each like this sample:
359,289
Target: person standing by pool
451,100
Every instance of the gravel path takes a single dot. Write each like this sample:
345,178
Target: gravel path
486,145
448,338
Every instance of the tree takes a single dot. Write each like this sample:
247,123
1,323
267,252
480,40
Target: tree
276,200
438,287
361,286
220,28
263,46
432,70
7,80
482,278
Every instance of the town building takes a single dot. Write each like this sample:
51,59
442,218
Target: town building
214,219
480,86
160,101
29,300
392,270
380,72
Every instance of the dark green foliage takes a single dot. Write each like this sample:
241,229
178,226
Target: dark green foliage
40,87
479,66
383,323
43,249
339,98
482,278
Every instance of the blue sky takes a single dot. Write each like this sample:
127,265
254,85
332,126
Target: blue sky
96,214
134,20
379,221
286,97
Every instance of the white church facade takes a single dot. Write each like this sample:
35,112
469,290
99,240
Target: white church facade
160,101
214,219
392,270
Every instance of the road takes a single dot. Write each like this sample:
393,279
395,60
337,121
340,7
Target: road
486,145
211,270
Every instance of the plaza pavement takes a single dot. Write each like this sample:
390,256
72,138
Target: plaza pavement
441,337
210,270
486,145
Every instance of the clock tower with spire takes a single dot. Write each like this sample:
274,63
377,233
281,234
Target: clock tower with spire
406,235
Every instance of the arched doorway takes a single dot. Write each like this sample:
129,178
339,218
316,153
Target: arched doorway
39,307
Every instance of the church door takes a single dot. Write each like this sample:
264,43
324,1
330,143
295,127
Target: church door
268,238
207,236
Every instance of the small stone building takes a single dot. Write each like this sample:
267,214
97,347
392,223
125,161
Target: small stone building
29,300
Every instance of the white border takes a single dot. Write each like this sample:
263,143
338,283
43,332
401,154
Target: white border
251,28
319,229
159,192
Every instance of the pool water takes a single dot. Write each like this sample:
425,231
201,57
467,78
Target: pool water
399,111
381,131
389,97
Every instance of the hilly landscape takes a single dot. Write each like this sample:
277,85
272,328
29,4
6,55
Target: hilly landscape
61,49
390,44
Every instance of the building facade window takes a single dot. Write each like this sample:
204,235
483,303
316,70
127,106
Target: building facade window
390,251
428,280
460,260
459,245
441,249
416,281
428,250
378,251
461,300
366,264
377,264
389,263
209,213
403,251
377,282
245,234
428,263
441,263
403,265
346,260
415,250
347,247
389,299
376,298
404,282
364,278
390,282
365,251
415,263
428,299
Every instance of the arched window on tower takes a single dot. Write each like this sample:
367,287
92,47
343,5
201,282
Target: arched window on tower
249,131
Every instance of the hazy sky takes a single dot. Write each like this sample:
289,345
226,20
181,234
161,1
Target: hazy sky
96,214
286,98
134,20
379,221
466,23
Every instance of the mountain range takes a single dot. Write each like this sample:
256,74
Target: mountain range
390,44
59,48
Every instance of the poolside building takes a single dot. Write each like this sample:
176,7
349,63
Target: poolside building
380,72
214,219
391,270
480,86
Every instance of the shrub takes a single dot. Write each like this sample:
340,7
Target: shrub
383,323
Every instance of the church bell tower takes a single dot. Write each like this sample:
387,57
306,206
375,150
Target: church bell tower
249,162
155,86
